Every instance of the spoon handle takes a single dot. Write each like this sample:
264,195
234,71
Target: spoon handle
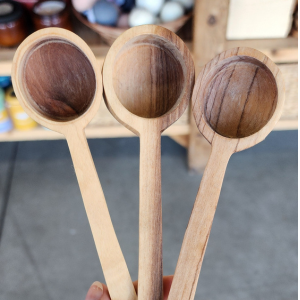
150,218
111,257
199,226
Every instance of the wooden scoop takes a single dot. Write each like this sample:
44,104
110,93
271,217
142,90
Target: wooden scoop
148,76
237,100
58,83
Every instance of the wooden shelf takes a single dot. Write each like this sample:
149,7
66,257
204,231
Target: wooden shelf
279,50
40,133
92,132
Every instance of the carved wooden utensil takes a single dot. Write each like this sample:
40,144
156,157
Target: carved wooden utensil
237,100
148,77
58,82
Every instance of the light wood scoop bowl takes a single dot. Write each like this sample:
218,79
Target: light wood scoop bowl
237,100
148,77
59,84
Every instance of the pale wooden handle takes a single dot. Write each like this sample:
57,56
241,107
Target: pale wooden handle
150,223
198,230
111,257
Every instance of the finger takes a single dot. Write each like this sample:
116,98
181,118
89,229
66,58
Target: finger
105,293
95,292
135,285
167,286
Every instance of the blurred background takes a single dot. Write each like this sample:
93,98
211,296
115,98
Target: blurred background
46,247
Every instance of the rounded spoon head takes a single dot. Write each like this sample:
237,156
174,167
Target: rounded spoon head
56,80
239,96
148,77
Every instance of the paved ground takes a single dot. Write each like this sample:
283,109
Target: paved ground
47,250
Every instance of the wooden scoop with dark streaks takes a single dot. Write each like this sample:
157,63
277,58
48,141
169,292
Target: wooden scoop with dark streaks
237,100
148,77
58,82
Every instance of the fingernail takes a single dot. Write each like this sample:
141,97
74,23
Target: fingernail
95,292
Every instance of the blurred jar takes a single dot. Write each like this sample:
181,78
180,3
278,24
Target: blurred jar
5,81
19,117
13,26
49,13
5,122
28,3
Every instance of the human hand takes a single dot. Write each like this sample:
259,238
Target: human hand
99,291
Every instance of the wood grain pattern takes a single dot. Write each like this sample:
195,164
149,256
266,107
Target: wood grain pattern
148,76
61,88
241,97
212,96
150,217
43,72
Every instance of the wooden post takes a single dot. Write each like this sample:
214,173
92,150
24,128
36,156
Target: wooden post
210,22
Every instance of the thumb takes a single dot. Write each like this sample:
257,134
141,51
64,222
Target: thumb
95,292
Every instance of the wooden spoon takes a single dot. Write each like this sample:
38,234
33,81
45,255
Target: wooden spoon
58,82
237,100
148,76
